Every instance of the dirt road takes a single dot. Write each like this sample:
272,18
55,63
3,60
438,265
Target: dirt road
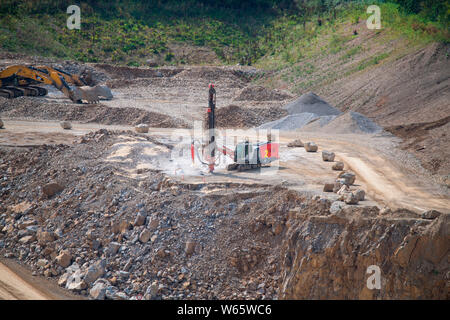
17,283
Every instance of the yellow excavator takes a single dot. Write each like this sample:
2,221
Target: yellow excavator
21,80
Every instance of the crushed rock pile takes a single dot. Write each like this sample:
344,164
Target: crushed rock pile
260,93
352,122
311,103
306,109
311,113
290,122
36,108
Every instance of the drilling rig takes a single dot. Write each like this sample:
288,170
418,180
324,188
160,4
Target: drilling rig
245,155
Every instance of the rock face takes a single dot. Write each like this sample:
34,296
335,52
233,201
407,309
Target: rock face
295,144
413,261
311,147
328,156
141,128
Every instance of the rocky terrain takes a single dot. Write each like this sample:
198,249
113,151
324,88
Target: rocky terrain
75,216
104,214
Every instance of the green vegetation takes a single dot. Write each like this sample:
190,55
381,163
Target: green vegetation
271,33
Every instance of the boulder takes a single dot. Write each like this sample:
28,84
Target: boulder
328,187
152,291
95,271
350,198
114,247
342,190
328,156
64,258
50,189
190,247
141,128
66,125
360,194
75,282
295,144
42,263
124,226
311,147
338,185
336,206
98,290
153,223
44,237
140,219
63,279
349,177
338,166
145,235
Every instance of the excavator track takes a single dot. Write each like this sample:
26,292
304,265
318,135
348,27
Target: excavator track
41,91
243,166
16,91
26,91
6,93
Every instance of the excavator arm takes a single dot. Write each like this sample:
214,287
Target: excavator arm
69,78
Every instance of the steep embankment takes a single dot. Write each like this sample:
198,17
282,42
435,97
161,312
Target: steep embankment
401,84
327,256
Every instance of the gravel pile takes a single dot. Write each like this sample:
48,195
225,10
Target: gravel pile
38,108
309,110
352,122
290,122
234,116
311,103
260,93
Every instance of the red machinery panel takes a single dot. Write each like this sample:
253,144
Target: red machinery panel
268,152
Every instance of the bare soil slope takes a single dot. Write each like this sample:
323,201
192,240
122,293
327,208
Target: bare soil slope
411,92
